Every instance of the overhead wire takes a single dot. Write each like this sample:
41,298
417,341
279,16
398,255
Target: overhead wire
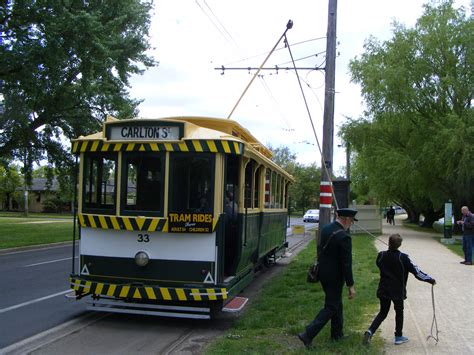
272,97
213,23
221,24
276,50
289,25
303,58
311,121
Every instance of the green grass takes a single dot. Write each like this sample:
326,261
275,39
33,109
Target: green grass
35,215
418,228
287,304
19,232
455,248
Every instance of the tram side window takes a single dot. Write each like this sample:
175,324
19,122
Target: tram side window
99,182
248,184
287,186
256,195
267,188
191,183
273,189
144,183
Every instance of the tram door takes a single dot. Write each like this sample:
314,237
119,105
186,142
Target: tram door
231,208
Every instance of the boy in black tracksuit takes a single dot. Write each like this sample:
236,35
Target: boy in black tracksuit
394,268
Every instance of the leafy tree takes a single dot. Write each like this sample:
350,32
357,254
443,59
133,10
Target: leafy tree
415,142
284,157
65,65
305,191
10,182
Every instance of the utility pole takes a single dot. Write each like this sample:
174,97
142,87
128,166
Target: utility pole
325,200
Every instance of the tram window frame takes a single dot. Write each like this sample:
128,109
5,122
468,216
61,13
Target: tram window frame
174,193
96,205
257,179
159,179
267,188
249,184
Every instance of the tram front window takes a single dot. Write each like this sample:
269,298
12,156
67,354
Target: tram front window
191,182
143,187
99,183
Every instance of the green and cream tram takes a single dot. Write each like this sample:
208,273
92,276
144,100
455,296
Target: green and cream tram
175,215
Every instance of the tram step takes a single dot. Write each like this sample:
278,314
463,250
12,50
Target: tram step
117,306
235,305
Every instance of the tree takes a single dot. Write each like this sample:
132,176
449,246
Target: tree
284,157
305,191
10,182
415,143
65,65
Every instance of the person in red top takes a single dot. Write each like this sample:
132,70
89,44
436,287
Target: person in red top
394,268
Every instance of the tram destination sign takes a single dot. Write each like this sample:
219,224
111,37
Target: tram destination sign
144,131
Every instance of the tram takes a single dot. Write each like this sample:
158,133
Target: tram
175,215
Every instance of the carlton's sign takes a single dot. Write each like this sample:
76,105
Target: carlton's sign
140,130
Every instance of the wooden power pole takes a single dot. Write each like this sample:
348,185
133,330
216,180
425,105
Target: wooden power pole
325,200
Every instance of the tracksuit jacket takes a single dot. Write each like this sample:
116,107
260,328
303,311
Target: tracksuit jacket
394,268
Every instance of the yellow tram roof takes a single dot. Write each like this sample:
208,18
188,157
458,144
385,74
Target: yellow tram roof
196,128
199,128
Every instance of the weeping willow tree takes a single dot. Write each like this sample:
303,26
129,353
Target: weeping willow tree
415,143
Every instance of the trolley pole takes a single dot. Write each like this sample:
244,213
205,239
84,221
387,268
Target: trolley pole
326,193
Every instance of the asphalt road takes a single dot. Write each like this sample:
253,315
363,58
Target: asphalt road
33,285
34,312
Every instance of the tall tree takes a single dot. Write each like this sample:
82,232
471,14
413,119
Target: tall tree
305,191
10,182
416,140
65,65
284,157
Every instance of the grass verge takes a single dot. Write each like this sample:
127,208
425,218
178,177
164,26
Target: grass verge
287,304
456,247
20,232
36,215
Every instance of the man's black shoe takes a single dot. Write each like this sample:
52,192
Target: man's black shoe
304,338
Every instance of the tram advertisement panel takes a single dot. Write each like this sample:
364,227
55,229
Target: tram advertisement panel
179,222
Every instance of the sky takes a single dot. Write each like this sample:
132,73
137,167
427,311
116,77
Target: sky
190,38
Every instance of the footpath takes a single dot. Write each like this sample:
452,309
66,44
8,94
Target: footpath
453,294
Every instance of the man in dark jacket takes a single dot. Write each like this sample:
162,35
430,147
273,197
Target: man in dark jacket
467,223
394,268
335,267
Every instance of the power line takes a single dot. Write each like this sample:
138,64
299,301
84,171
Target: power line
264,53
272,97
214,24
220,23
289,25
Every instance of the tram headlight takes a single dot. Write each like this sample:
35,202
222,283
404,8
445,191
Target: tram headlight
141,258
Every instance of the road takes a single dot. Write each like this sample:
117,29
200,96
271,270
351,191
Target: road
36,317
33,284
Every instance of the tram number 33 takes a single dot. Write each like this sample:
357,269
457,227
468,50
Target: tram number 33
143,238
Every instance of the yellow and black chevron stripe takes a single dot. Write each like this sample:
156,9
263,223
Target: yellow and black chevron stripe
147,292
202,145
124,223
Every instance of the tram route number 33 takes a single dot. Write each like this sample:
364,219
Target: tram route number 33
143,238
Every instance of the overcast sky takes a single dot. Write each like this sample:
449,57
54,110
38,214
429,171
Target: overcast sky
192,37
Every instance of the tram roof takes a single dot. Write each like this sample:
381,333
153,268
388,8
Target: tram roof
197,128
